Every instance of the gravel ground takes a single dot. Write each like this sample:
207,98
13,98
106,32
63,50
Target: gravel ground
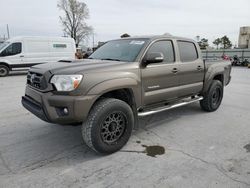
201,149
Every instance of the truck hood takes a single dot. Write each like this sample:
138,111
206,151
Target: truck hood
76,66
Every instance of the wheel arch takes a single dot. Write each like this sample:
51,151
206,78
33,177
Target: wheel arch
219,77
5,64
125,94
208,81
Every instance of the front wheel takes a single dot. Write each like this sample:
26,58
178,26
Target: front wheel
4,71
108,126
213,97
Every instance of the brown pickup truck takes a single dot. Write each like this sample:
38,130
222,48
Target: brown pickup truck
121,81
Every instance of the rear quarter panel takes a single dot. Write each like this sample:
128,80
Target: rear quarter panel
214,68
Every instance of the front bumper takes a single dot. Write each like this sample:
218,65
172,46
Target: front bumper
50,107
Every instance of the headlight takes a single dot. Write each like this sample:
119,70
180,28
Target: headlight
66,82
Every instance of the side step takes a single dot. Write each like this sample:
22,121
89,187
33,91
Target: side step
168,107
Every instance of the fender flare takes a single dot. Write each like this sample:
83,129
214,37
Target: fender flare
114,84
209,80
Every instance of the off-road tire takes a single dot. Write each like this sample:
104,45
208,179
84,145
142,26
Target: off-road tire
212,99
92,128
4,71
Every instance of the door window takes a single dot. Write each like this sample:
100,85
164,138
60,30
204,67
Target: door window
164,47
13,49
188,51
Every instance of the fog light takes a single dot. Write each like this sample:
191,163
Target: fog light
65,111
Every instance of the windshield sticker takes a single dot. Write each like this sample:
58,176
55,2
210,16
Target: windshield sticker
137,42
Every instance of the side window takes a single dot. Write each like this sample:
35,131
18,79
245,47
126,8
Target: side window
13,49
188,51
59,45
164,47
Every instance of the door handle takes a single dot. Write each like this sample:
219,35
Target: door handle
21,55
174,70
199,68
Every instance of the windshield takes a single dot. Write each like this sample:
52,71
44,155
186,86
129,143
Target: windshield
3,45
120,50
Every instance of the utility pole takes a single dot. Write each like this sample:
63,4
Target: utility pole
197,38
93,39
8,31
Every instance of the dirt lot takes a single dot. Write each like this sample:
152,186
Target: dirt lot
201,149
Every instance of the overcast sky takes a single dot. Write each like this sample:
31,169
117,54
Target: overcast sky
111,18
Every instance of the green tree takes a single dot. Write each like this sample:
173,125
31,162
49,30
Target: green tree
74,19
217,42
226,43
203,43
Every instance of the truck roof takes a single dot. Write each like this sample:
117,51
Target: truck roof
155,37
39,38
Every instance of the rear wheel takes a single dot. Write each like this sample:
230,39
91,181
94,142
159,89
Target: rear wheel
4,70
213,97
108,126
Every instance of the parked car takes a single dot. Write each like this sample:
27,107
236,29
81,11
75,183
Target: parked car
122,80
23,52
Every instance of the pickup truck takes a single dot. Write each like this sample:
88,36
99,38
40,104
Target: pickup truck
120,82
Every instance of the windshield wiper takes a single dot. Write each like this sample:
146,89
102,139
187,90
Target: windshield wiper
110,59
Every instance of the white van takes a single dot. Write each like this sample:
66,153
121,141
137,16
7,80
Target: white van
22,52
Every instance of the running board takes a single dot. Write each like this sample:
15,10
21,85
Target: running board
168,107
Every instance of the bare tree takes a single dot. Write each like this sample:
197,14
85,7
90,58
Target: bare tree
74,19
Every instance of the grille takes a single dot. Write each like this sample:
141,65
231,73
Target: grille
36,80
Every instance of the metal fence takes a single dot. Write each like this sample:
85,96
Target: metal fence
216,54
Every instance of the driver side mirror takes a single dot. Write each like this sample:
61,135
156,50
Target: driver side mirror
154,57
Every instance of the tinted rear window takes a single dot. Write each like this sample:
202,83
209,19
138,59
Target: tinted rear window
187,51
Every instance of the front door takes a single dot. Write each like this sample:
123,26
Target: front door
160,81
13,54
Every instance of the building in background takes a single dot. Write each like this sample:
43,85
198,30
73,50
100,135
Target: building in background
244,37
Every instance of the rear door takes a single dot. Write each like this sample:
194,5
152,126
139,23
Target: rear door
191,69
159,81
